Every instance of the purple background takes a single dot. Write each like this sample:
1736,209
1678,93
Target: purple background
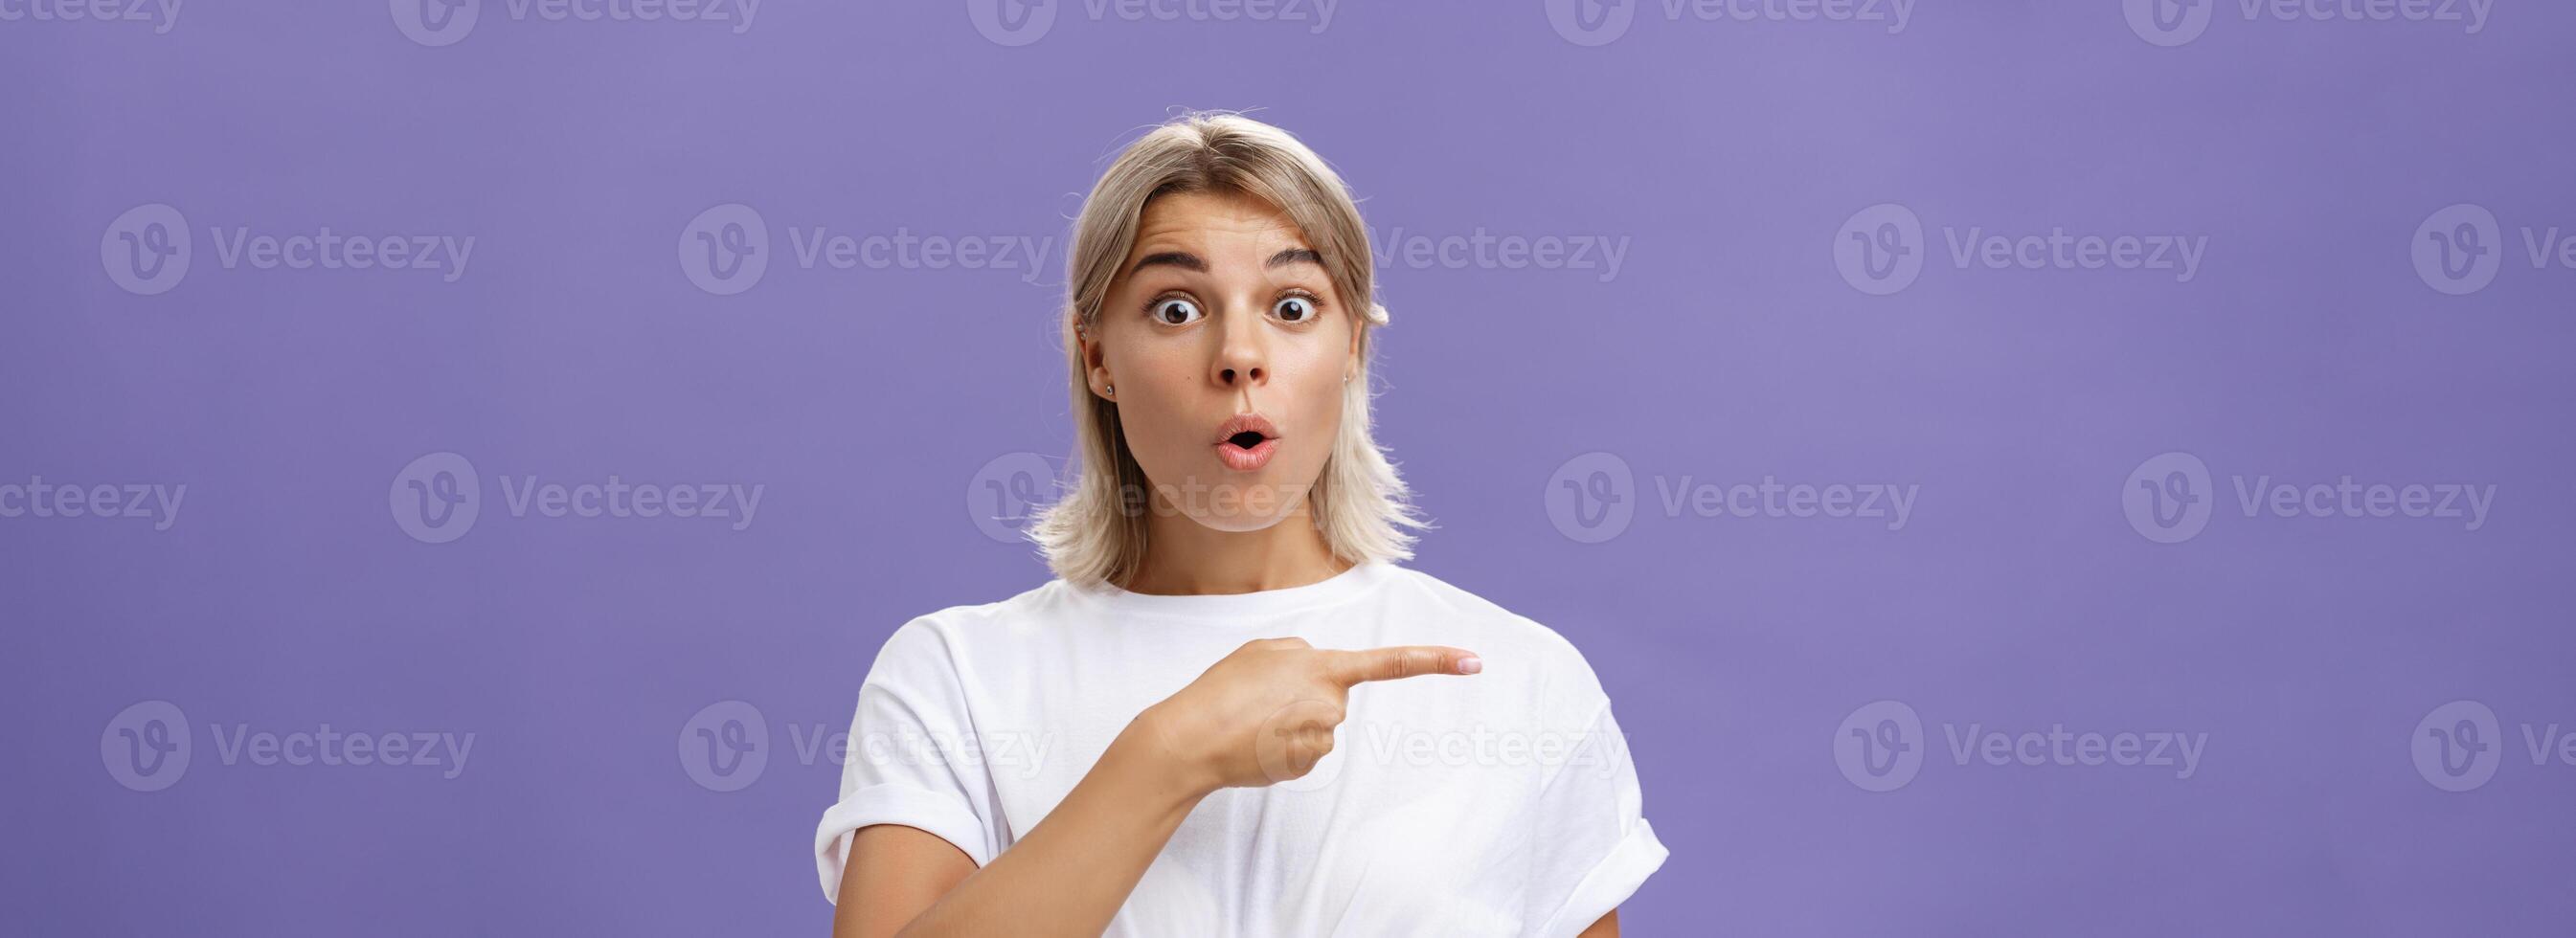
866,402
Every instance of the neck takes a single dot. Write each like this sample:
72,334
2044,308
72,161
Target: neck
1186,558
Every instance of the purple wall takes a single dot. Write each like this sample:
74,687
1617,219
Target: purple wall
1728,245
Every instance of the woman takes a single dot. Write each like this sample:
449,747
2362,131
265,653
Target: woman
1232,712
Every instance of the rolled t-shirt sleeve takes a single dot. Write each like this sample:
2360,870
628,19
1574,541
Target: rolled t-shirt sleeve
1594,847
911,757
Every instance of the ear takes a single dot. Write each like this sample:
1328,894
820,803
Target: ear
1359,339
1095,362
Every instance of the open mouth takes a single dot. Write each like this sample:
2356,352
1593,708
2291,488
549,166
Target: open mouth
1246,442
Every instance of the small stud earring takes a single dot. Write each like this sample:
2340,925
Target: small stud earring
1109,390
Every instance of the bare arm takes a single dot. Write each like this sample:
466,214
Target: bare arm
1607,927
907,870
1067,877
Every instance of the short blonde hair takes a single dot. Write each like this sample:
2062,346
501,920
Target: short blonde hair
1095,532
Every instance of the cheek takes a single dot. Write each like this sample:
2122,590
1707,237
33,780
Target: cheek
1316,356
1314,379
1155,369
1156,390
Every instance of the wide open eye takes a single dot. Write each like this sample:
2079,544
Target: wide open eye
1174,310
1295,308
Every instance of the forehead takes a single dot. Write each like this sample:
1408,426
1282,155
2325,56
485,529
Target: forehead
1207,219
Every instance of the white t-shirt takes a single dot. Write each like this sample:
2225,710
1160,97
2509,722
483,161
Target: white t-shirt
1499,803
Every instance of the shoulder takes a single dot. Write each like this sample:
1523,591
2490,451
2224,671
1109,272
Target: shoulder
1558,674
947,636
1484,617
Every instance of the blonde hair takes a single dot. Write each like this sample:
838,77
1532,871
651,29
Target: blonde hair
1093,533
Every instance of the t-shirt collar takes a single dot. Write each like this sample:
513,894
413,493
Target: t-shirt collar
1335,588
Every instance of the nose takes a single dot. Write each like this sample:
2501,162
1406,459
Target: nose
1242,358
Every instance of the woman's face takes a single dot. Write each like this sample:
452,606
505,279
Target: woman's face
1227,349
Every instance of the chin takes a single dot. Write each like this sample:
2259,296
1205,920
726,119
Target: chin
1236,523
1235,502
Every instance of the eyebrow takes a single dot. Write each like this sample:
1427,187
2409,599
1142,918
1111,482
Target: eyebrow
1192,262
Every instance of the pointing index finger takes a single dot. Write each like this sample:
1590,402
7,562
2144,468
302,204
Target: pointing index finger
1401,661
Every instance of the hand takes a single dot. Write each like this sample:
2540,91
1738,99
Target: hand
1265,713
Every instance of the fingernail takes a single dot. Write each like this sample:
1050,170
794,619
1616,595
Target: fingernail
1470,664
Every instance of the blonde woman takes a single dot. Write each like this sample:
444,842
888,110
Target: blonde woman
1232,712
